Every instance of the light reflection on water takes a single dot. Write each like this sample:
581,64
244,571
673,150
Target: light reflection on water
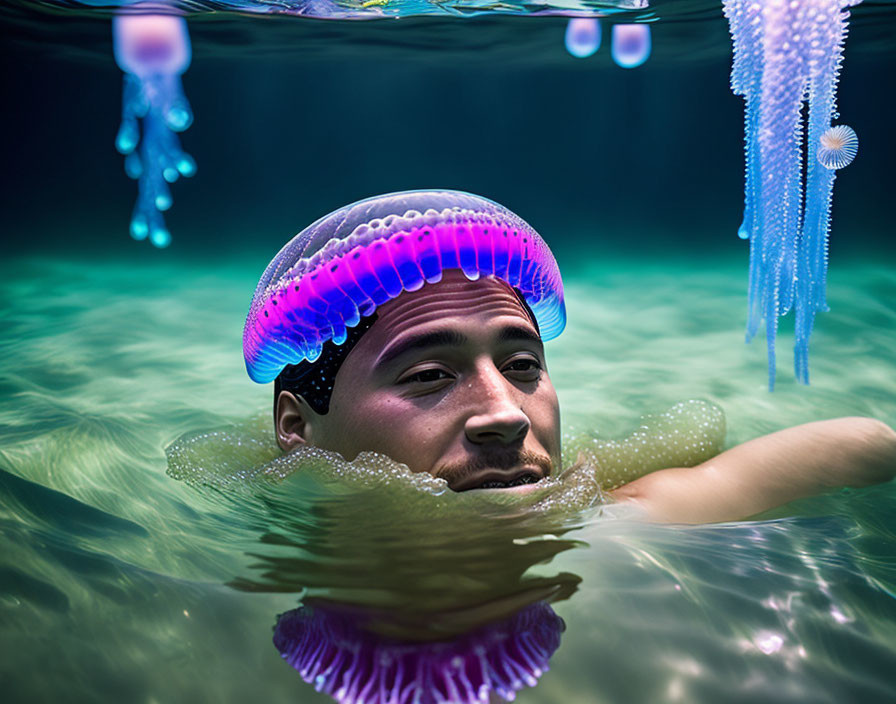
112,572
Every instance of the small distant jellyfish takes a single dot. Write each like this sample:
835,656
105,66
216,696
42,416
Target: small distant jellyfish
582,37
153,51
630,44
837,147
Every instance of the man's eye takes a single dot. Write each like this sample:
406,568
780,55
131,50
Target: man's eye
524,366
426,376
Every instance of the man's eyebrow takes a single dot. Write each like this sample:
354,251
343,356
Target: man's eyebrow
451,338
439,338
518,333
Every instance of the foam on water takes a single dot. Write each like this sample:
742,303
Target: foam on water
236,458
687,434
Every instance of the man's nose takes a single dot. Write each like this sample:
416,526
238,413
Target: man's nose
498,417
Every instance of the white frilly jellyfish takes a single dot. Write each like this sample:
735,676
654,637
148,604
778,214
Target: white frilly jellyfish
582,36
630,45
837,147
153,51
785,53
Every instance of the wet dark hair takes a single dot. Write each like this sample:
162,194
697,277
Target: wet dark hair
314,381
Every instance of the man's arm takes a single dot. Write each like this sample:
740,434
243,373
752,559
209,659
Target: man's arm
769,471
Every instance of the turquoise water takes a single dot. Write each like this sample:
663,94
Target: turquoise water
121,583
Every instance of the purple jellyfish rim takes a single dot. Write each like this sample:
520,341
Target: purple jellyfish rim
353,666
345,265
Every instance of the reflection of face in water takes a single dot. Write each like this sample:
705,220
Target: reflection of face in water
387,620
450,380
392,611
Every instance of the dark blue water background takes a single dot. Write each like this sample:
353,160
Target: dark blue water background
297,116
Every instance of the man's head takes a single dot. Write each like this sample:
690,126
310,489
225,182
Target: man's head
408,324
450,380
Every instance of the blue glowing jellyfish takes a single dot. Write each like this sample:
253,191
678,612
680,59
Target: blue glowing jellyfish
837,147
153,51
582,37
786,53
630,46
331,651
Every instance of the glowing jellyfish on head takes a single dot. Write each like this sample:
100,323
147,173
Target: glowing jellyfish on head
332,652
582,37
630,45
786,53
153,51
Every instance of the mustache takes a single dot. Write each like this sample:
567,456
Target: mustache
452,473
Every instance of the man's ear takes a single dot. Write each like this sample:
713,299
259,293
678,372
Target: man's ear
293,421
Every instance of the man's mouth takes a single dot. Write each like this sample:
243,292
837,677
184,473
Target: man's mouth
527,478
496,470
498,480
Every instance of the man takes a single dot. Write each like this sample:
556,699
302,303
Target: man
448,376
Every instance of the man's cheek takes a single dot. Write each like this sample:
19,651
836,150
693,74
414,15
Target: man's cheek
382,415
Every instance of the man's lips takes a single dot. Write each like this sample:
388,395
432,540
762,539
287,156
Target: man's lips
499,479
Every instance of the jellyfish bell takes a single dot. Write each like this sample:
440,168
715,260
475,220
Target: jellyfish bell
837,147
582,36
340,268
147,45
332,652
630,44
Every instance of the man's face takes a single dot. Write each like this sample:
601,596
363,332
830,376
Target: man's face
449,380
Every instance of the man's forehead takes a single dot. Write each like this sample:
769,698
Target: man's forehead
456,299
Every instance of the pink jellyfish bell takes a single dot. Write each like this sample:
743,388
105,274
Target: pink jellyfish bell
582,36
147,45
630,44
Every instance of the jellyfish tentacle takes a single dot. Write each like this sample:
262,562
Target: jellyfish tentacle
786,55
819,189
